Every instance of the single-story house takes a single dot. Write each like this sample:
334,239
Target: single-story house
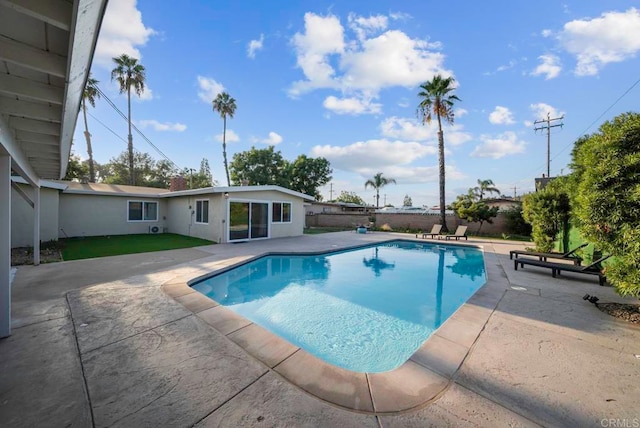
317,207
220,214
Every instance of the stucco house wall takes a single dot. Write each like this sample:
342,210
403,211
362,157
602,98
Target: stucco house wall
181,216
98,215
22,217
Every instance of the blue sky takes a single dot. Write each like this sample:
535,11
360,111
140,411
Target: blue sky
340,80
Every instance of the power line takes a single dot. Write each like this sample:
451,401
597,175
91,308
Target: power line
548,127
103,95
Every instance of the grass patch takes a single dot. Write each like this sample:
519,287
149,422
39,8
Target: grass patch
102,246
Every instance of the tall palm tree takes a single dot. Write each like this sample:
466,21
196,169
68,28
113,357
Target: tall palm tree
484,187
378,182
89,94
129,73
437,99
226,106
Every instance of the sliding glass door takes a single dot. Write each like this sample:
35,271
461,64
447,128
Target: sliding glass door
248,220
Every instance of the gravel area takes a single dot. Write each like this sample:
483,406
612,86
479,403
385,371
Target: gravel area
627,312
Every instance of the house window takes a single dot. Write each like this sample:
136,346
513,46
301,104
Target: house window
281,212
143,211
202,211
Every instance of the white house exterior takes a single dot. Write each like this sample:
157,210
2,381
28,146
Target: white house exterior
221,214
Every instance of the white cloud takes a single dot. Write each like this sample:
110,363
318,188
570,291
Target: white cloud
501,116
412,174
158,126
400,16
254,46
353,105
411,130
209,88
540,111
611,37
273,139
459,112
546,33
364,27
499,146
122,32
361,67
373,154
323,36
232,137
549,66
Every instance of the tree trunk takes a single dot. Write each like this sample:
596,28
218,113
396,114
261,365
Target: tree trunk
377,198
443,218
224,148
132,179
87,136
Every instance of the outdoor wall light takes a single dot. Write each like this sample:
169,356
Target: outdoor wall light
226,195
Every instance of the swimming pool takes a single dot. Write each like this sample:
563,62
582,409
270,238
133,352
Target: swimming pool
365,310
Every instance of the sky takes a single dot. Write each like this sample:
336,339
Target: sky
340,80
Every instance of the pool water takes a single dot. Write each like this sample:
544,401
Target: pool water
366,310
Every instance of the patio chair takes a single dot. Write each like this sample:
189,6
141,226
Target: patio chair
435,231
551,255
461,232
592,269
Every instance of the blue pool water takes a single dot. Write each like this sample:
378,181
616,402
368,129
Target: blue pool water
366,310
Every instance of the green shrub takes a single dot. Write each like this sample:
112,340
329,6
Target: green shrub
547,211
515,221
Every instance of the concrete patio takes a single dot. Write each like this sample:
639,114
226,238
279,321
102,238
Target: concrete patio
99,343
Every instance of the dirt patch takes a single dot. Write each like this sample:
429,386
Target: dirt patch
24,256
627,312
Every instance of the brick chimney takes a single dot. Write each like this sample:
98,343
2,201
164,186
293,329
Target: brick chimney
178,183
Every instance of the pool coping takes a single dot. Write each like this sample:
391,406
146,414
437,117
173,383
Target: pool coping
422,379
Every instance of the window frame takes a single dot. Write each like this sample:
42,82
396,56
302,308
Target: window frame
201,201
143,206
281,219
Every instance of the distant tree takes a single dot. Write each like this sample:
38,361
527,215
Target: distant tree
267,166
201,178
226,106
407,201
606,196
161,173
437,99
350,198
89,94
515,221
377,183
469,207
484,187
143,166
307,175
77,170
257,167
129,73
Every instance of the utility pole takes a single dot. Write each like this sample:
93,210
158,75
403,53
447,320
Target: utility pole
385,199
515,195
331,191
546,124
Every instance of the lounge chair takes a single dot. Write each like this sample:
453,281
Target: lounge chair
435,231
592,269
551,255
461,232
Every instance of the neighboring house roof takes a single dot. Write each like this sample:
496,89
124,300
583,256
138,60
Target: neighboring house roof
153,192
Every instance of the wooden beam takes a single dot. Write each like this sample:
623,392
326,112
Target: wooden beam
33,58
22,193
35,138
19,162
19,87
31,125
55,12
28,109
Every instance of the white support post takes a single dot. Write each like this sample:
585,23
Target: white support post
5,246
36,226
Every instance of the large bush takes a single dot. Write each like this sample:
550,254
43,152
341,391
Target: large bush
606,168
515,221
547,211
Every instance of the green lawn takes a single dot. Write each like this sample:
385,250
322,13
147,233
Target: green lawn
101,246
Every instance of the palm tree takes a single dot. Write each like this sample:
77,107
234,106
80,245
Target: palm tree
484,187
378,182
90,94
226,106
437,100
129,73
